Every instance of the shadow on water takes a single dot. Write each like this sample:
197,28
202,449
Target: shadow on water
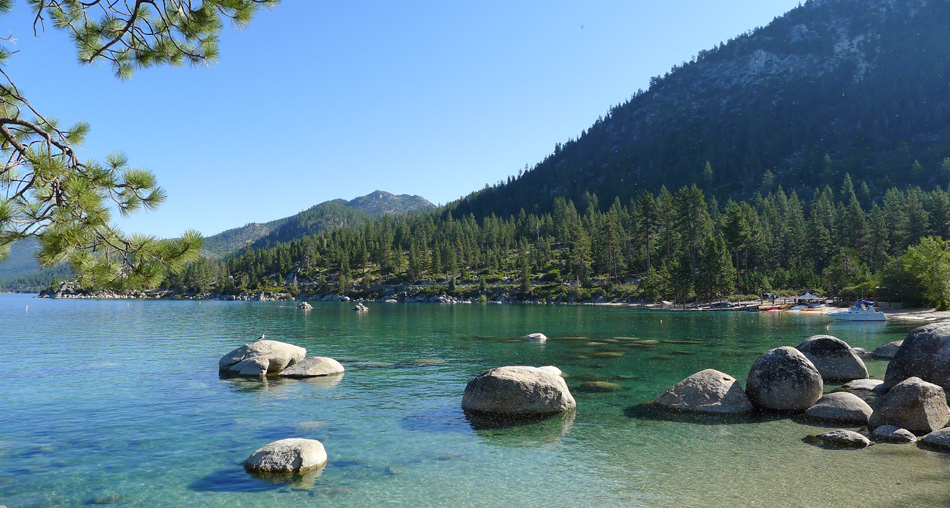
235,479
647,411
276,384
522,430
444,419
803,419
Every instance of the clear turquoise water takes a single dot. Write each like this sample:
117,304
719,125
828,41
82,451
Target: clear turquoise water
120,402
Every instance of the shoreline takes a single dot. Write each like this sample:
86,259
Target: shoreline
924,314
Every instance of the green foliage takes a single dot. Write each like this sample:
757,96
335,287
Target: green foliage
929,264
49,193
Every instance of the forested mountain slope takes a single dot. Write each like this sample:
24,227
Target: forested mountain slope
833,86
337,212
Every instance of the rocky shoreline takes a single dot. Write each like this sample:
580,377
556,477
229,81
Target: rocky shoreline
411,294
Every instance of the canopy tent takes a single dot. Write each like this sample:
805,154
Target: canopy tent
807,298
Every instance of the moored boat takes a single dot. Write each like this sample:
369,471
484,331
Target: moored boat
862,311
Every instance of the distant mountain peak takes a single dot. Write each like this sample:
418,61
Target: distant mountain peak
329,213
380,202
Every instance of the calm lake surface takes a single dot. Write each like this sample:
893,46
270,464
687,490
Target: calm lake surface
120,402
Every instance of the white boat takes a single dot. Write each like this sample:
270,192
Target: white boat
862,311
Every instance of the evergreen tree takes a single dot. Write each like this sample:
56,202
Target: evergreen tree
717,275
691,222
580,254
50,193
647,220
878,243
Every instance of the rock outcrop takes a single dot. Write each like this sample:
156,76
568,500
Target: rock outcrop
313,366
304,306
893,434
938,439
844,438
887,351
870,385
833,358
783,379
925,353
913,404
518,390
536,337
287,456
261,358
707,391
841,407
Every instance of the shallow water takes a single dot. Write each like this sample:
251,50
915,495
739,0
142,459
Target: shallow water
120,402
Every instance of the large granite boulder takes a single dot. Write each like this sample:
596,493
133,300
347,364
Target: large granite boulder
536,337
313,366
261,358
783,379
844,438
841,407
518,390
887,351
913,404
833,358
287,456
925,353
707,391
893,434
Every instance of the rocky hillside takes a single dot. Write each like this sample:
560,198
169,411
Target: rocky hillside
833,86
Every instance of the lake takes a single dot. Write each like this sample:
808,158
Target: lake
120,402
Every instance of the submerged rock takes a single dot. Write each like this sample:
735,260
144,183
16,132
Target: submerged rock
287,456
261,358
313,366
518,390
887,351
598,387
707,391
536,337
783,379
913,404
833,358
925,353
893,434
841,407
844,438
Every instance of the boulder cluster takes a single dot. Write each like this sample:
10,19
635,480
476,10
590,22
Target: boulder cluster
273,358
913,407
791,380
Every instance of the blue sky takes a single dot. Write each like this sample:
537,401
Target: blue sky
321,100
